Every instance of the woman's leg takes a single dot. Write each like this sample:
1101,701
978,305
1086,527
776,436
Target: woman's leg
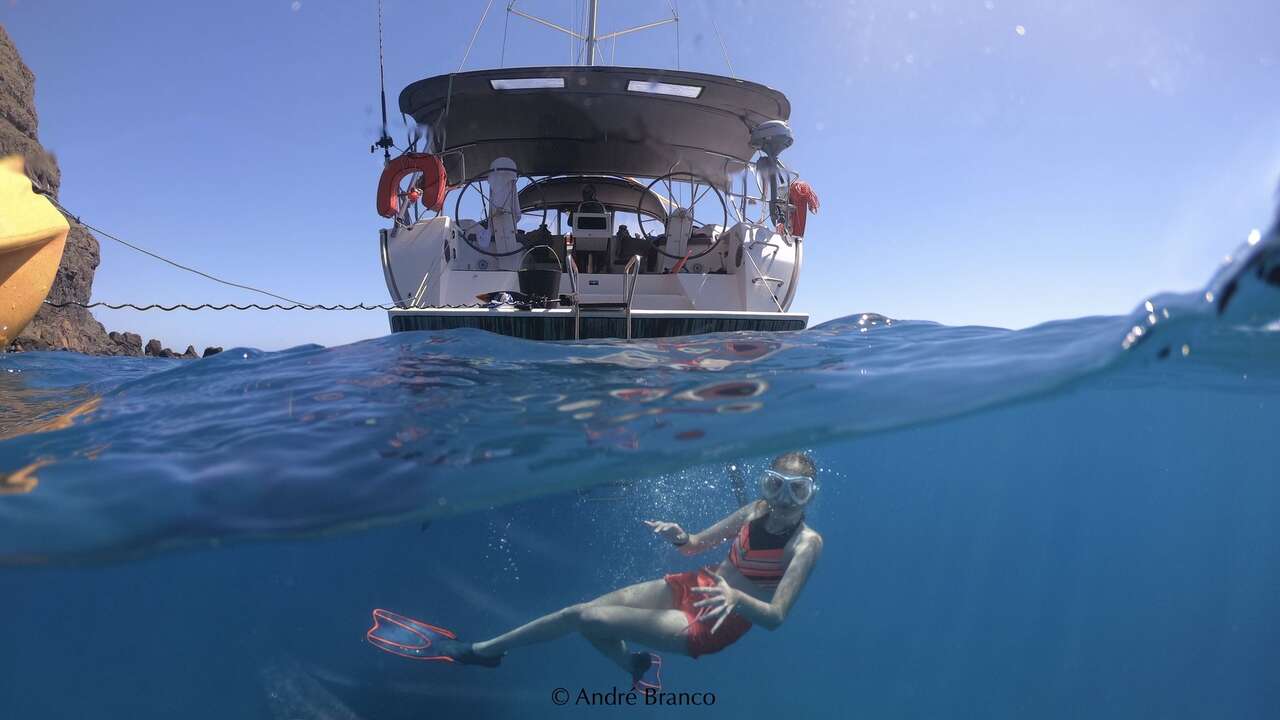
609,627
651,595
641,612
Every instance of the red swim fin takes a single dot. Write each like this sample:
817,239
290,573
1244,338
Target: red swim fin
406,637
650,676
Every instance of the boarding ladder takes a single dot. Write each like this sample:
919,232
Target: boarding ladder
632,272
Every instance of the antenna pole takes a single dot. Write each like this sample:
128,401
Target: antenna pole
592,8
385,142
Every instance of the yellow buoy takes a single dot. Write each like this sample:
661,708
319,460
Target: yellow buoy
32,236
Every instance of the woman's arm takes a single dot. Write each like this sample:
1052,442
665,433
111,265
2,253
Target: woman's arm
724,599
694,543
718,533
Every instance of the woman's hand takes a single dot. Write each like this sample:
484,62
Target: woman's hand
671,532
722,599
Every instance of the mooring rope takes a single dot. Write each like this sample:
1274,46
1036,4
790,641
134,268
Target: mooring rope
72,216
255,306
293,304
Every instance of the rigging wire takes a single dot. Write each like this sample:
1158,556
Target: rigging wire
178,265
506,23
675,13
474,34
573,42
580,25
723,49
448,101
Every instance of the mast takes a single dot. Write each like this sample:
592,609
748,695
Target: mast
593,38
592,10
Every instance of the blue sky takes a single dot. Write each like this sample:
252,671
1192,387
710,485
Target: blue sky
998,163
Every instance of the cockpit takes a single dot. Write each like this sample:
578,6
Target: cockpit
598,221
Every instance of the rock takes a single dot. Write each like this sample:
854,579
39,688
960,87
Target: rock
167,353
189,353
153,348
53,328
128,343
18,119
26,344
211,351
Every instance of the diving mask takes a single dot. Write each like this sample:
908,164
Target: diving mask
799,488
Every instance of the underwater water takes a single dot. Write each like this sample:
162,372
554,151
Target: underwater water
1077,519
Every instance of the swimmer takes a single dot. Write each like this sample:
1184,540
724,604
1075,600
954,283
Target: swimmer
691,613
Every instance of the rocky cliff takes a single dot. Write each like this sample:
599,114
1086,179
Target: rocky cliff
55,328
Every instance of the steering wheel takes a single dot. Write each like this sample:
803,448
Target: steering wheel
699,189
481,183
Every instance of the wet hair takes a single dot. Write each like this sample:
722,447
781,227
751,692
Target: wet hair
796,463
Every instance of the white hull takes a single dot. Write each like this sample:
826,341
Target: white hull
746,283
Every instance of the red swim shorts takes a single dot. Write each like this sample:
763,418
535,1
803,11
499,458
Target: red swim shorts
701,640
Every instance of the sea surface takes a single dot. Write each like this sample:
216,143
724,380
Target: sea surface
1080,519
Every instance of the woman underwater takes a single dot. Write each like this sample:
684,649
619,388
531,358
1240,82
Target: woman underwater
693,613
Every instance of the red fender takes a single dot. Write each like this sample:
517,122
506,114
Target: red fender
803,201
433,186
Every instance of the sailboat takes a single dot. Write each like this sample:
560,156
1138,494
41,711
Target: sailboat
591,201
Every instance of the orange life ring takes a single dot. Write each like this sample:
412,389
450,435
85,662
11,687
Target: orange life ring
433,186
803,201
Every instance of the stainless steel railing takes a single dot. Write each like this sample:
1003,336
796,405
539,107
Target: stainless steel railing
632,272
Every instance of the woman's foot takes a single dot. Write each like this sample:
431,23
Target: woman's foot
406,637
465,653
645,671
